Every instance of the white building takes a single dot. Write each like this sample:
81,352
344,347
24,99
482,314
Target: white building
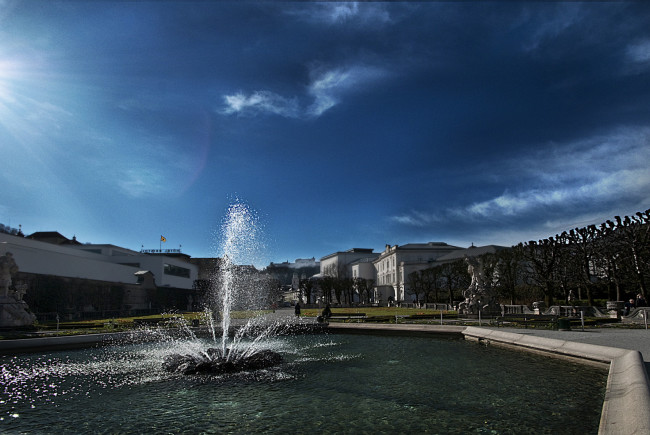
364,268
97,262
393,266
339,264
347,264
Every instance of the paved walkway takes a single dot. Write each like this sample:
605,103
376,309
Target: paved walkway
632,339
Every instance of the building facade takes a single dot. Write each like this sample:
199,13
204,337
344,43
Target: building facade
339,264
106,263
347,264
395,263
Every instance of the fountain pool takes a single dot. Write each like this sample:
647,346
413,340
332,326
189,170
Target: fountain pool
326,384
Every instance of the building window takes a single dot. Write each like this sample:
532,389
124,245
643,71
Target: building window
170,269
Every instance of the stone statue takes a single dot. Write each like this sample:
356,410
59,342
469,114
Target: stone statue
475,269
478,296
8,267
20,291
14,311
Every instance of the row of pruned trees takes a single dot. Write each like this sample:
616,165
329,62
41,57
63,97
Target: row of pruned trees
341,289
337,286
609,261
612,259
441,283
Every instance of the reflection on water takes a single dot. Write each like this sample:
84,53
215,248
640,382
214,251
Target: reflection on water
328,384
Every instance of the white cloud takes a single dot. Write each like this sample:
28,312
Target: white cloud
343,11
141,182
550,23
607,169
639,52
326,89
337,13
604,168
523,202
417,219
260,102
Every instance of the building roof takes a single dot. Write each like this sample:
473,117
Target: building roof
430,247
143,272
349,251
427,246
53,237
365,260
472,251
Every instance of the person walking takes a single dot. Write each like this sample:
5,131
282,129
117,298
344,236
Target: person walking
297,309
640,301
629,306
327,312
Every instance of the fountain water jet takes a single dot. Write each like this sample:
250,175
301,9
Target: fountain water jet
239,232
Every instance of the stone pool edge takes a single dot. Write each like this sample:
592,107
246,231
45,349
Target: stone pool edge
35,344
626,404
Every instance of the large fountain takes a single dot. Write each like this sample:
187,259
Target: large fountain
239,241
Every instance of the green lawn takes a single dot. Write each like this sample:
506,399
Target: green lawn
385,314
123,323
126,323
374,311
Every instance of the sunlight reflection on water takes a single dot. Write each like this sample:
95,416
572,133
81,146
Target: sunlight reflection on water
345,384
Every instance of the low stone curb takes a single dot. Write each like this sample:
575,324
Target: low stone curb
59,342
406,328
590,352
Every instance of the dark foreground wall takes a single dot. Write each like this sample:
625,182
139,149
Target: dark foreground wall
75,298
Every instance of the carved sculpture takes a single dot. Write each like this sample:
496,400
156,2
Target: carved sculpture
8,267
478,296
14,311
214,362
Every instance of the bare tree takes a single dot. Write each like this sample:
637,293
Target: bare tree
363,287
508,274
454,276
609,261
415,284
431,280
541,260
327,285
306,289
583,242
632,237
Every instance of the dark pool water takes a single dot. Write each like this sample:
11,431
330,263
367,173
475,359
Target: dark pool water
330,384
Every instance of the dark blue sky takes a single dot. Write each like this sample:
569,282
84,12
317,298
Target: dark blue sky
340,124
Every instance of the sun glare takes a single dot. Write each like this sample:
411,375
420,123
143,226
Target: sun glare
4,89
9,73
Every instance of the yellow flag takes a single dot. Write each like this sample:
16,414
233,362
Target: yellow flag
163,239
